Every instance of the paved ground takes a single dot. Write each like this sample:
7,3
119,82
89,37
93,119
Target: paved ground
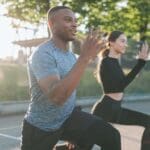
10,126
10,131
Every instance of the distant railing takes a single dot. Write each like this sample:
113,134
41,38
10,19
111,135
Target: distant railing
13,107
89,101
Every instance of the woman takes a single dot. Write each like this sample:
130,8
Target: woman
114,82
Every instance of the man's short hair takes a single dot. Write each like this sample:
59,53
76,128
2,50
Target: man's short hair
53,10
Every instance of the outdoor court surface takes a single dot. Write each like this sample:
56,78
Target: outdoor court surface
10,130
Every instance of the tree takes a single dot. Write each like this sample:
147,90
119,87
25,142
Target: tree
32,11
127,15
131,16
142,17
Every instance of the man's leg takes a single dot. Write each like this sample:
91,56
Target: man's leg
146,140
36,139
86,129
104,135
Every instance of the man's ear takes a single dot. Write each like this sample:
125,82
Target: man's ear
50,23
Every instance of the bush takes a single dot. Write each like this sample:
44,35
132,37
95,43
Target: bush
13,82
140,84
89,86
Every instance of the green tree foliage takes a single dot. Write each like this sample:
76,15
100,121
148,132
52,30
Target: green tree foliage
32,11
131,16
141,16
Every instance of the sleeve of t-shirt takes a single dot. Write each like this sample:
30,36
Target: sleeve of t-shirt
43,64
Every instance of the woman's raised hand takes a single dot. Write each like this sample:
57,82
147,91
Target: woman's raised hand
144,52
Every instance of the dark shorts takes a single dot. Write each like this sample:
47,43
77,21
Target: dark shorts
73,129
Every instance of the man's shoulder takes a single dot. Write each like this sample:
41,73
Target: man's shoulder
43,51
45,46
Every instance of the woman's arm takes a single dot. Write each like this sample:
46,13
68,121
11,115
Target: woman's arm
143,55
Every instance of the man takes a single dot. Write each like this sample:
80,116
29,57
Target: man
54,74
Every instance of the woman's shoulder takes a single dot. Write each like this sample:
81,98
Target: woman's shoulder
105,59
109,61
104,62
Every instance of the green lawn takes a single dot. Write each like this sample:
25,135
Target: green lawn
14,83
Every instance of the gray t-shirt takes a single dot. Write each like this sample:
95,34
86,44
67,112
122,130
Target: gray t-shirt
45,61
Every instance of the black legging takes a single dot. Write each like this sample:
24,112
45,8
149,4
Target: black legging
111,111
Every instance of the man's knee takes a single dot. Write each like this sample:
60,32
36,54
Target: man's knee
146,139
105,130
111,134
115,134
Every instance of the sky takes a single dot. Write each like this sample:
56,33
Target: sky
8,34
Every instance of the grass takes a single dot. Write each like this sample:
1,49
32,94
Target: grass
89,85
140,84
14,83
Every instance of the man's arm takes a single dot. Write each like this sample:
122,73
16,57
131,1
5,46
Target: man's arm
58,90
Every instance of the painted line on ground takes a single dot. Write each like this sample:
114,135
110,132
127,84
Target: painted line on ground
10,137
10,128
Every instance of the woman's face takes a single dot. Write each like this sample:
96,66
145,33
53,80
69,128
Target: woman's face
120,44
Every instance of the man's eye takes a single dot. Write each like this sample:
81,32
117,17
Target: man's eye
68,19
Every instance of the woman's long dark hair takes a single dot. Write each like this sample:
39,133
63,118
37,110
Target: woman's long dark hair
113,36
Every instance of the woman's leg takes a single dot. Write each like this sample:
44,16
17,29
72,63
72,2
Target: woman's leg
131,117
108,109
111,111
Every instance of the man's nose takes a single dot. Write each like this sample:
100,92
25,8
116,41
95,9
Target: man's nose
74,23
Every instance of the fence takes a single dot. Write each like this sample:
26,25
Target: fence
15,107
